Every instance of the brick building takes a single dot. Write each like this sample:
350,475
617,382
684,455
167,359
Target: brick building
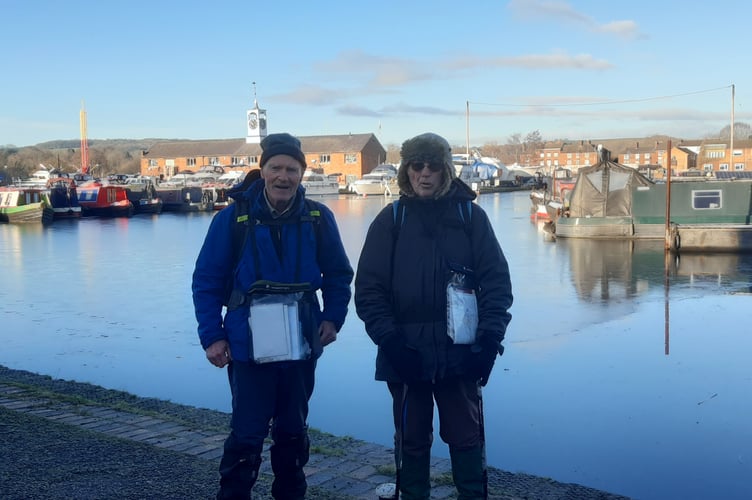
349,155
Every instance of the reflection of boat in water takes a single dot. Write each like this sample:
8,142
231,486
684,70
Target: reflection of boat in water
610,271
317,183
382,180
19,205
612,201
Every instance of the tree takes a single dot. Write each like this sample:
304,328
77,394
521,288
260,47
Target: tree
494,150
741,131
533,140
515,148
393,154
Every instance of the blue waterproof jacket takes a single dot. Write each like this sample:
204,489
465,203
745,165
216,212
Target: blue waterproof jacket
316,255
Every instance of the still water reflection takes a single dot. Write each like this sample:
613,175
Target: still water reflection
618,374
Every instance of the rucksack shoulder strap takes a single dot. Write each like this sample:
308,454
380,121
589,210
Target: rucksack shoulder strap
239,236
466,214
398,212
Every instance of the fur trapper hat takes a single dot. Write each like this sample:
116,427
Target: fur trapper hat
431,148
281,144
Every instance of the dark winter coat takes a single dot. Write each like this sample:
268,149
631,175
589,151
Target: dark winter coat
400,285
326,268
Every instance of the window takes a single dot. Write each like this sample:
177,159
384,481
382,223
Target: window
626,157
153,163
237,160
708,167
351,158
723,167
715,154
738,166
325,158
707,199
191,162
253,160
737,152
213,161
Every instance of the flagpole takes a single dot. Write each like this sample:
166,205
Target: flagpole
467,128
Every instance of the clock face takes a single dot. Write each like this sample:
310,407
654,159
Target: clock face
252,120
262,122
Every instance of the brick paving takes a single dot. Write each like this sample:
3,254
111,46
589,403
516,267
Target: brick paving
353,472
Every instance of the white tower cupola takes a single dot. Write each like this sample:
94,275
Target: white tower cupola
255,122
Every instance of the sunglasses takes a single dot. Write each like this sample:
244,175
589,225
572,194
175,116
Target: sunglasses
418,166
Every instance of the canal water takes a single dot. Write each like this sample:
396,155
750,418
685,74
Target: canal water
623,371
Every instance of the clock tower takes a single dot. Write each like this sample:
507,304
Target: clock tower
255,121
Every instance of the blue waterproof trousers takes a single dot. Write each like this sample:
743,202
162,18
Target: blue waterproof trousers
264,395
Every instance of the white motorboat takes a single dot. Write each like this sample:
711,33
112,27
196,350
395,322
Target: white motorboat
382,180
318,184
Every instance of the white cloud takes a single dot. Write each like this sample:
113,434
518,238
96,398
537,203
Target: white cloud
564,12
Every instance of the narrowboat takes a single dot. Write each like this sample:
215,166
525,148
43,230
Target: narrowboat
64,198
104,200
20,205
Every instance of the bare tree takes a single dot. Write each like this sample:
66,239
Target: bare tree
741,131
533,140
515,148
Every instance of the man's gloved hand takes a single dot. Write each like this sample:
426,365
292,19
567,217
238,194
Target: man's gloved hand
484,357
404,359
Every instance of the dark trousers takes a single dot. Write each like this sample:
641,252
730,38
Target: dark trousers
264,395
459,422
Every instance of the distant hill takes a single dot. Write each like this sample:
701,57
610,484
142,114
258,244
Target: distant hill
124,144
106,156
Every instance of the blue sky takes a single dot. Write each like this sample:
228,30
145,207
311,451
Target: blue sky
572,69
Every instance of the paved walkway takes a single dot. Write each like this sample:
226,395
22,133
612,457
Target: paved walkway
340,467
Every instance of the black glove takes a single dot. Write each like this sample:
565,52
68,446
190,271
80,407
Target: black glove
484,358
404,359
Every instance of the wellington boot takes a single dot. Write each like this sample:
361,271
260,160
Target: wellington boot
415,477
467,471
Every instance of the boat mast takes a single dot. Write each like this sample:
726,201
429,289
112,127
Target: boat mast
84,142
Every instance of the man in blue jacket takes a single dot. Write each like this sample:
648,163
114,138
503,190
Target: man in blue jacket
287,240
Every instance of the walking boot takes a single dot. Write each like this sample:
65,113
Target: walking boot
288,456
415,477
238,474
467,471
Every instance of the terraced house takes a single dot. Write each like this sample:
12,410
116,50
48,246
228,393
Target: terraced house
650,156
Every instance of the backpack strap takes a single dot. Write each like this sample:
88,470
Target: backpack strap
465,209
398,211
239,235
466,214
242,232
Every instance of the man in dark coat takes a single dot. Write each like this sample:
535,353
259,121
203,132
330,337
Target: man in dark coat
410,258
